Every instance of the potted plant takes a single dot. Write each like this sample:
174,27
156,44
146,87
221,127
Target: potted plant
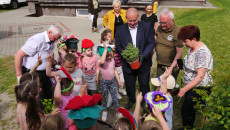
131,55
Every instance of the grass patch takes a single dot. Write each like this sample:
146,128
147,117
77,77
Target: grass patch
7,75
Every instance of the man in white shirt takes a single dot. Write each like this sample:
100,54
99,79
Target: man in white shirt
141,36
27,56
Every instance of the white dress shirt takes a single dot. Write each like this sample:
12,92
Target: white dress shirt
39,43
133,32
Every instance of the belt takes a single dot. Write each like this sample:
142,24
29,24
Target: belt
28,70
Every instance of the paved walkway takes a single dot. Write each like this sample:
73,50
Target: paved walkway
17,26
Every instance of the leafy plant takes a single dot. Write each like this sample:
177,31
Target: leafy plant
49,106
217,111
130,53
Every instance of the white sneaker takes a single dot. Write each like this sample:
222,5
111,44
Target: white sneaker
119,96
122,91
118,115
104,115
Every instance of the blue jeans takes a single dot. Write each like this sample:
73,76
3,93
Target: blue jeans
106,87
168,115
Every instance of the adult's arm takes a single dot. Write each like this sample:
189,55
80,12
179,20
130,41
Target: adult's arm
18,61
194,82
150,43
179,52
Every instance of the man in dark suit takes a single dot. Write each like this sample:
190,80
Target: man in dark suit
141,35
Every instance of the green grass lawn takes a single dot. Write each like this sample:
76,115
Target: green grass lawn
214,25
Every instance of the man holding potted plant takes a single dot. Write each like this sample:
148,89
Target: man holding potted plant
141,36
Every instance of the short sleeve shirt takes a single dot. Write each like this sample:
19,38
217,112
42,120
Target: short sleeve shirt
201,58
107,70
151,19
77,78
37,44
166,43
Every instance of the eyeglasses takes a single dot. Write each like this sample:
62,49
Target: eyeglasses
165,23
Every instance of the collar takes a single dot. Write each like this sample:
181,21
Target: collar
133,28
47,37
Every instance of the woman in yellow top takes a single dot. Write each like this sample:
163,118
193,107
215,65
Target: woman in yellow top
114,17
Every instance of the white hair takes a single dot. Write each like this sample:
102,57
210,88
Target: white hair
55,29
167,12
116,2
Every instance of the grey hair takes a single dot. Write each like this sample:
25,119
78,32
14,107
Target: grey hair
116,2
167,12
55,29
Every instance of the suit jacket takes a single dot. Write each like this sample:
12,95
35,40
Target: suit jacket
145,42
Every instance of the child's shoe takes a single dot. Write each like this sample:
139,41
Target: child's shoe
119,96
104,116
122,91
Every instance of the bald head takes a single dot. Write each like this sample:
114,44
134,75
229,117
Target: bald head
132,17
132,11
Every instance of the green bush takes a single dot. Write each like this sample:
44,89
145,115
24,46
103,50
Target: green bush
131,53
217,111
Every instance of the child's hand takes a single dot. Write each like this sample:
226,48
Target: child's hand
157,112
120,84
83,90
39,62
166,73
139,97
104,44
58,78
56,111
49,58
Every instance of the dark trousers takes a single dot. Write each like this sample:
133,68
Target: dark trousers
95,17
45,84
130,82
161,70
188,111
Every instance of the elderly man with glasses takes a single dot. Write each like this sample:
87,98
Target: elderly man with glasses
41,44
168,47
